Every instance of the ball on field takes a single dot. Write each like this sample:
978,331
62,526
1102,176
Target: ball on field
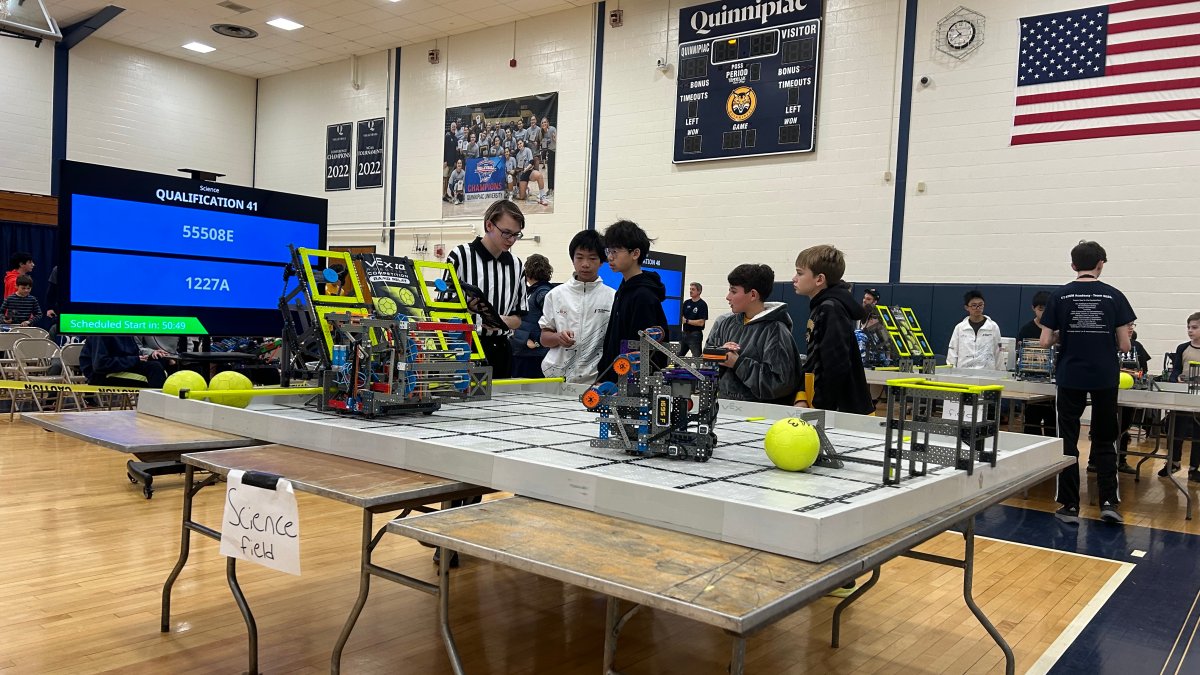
792,444
184,379
1126,381
230,379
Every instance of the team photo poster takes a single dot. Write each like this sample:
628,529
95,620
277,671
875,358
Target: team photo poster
500,150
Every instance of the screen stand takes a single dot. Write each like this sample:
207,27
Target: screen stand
201,174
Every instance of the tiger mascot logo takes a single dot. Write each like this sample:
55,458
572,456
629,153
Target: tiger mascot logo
741,104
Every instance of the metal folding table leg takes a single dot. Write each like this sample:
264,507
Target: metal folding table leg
247,615
444,611
1010,661
967,565
364,588
185,539
614,622
367,569
737,664
845,603
1173,417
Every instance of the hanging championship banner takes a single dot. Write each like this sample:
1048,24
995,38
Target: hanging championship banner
368,160
337,157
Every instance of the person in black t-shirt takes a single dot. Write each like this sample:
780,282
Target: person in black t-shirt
1039,417
1089,321
695,315
1033,329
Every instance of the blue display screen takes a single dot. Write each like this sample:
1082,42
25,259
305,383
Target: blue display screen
175,282
134,244
101,222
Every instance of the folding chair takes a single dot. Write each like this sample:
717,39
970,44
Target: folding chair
71,372
33,357
8,366
31,331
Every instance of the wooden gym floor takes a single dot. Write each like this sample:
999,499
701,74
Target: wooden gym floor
83,558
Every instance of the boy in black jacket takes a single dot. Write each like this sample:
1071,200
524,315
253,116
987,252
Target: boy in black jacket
638,303
838,380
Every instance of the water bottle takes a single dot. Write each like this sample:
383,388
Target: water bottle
861,336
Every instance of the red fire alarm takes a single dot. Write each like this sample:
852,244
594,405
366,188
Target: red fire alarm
512,63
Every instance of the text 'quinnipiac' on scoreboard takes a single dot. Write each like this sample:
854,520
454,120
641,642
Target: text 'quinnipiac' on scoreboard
747,79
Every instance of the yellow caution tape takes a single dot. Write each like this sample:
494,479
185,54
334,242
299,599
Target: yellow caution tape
50,387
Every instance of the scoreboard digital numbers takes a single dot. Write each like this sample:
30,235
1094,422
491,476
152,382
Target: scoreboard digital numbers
747,78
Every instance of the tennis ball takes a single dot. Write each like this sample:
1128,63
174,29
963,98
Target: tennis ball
230,379
184,379
1126,381
792,444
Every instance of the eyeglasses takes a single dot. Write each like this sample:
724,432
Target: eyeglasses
511,236
610,252
975,305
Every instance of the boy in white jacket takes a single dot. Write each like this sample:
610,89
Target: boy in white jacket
575,314
975,343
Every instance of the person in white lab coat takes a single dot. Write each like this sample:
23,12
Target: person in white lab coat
975,342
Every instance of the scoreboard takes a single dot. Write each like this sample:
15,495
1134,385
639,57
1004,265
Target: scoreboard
747,78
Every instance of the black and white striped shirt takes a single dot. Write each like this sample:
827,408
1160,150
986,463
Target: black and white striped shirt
501,279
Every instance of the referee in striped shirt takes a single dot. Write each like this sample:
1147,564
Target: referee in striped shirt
21,308
488,264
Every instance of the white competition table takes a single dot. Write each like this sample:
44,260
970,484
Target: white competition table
535,441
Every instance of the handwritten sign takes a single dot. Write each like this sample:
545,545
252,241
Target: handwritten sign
950,411
261,525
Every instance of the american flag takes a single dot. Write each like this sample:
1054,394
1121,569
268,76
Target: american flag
1124,69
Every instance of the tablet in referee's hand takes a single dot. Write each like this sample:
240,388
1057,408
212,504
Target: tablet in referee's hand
479,305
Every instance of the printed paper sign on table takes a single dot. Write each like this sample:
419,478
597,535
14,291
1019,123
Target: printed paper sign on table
261,525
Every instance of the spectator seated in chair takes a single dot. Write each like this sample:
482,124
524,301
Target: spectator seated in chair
117,361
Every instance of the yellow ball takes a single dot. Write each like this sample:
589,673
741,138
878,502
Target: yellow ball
184,379
230,379
1126,381
792,444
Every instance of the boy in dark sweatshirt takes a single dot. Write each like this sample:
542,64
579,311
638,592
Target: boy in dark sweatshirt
762,362
117,361
838,380
638,303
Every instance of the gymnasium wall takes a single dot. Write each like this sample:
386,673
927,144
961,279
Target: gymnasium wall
26,105
294,109
135,109
554,54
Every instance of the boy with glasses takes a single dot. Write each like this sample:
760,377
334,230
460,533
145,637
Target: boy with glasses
975,342
488,265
